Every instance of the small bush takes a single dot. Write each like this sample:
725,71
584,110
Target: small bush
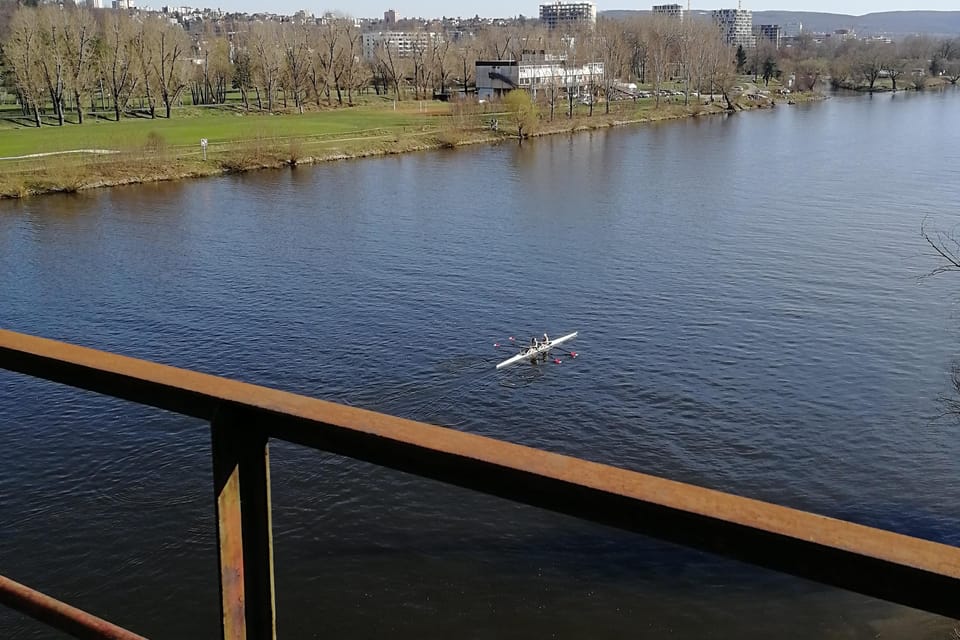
155,144
294,151
449,138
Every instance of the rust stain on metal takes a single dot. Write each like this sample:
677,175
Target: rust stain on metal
226,474
242,491
60,615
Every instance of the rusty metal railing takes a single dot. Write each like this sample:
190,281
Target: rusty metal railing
243,417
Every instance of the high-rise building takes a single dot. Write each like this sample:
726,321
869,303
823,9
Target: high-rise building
390,16
792,29
736,25
568,13
770,32
669,10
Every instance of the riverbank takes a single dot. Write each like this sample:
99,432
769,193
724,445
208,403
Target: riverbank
293,140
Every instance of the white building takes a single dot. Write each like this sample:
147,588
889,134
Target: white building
401,42
736,25
561,14
669,10
535,72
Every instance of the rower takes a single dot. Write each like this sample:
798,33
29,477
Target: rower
545,338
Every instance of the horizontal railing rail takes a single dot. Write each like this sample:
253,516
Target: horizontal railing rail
891,566
59,615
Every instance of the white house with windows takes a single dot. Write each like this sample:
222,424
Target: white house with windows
535,72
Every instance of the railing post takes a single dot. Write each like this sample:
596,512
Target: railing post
241,472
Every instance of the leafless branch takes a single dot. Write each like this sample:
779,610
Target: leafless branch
945,245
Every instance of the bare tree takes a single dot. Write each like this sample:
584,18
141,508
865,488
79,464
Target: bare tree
443,62
80,33
53,61
638,48
870,60
117,59
688,45
210,78
322,46
294,40
841,70
498,43
243,74
173,46
390,65
707,39
941,54
421,51
23,51
267,58
552,88
662,36
613,52
145,47
895,61
807,73
351,44
466,58
723,70
952,71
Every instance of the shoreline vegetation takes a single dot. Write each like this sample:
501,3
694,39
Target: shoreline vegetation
157,154
95,97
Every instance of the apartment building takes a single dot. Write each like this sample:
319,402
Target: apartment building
736,25
401,42
560,14
772,33
668,10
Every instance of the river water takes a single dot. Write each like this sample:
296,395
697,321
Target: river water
752,318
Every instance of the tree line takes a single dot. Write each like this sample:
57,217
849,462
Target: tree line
67,59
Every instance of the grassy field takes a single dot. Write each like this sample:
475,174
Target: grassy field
190,124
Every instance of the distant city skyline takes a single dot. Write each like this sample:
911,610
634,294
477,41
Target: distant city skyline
507,8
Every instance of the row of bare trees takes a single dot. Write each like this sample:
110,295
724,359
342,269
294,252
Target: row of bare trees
71,59
862,63
61,57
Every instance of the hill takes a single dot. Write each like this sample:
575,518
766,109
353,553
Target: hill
892,23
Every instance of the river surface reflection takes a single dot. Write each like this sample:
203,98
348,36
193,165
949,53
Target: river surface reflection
751,319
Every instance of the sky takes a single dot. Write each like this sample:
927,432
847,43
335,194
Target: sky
509,8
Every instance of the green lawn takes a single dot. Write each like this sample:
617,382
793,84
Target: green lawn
190,124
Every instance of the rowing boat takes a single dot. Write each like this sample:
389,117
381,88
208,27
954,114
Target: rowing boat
534,351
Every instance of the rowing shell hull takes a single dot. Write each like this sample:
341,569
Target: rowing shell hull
532,353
